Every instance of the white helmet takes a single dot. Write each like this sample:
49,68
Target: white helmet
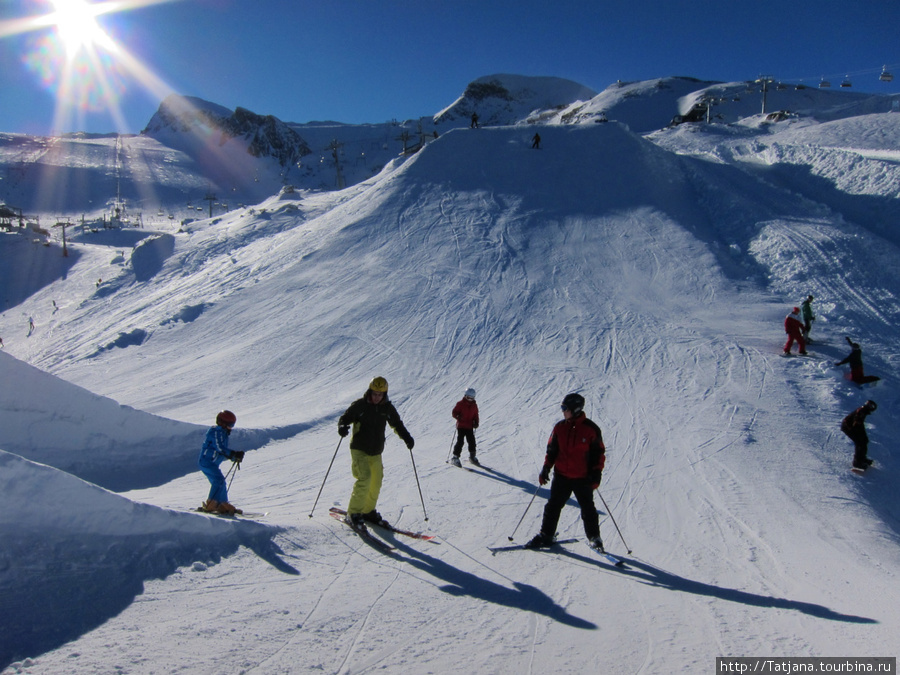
470,393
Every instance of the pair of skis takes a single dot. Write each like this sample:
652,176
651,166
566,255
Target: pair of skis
247,515
617,562
341,515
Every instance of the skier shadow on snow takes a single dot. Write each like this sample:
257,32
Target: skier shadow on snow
459,583
653,576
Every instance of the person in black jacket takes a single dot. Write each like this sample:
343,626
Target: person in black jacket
368,417
854,425
854,359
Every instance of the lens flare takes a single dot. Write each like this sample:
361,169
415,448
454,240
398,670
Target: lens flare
90,80
84,67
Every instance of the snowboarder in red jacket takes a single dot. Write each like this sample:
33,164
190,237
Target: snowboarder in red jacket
465,412
854,425
577,456
794,329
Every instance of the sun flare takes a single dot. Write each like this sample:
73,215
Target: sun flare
86,68
77,27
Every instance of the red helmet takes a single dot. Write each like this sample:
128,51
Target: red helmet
226,418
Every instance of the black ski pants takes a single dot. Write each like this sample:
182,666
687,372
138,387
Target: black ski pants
861,447
561,488
467,435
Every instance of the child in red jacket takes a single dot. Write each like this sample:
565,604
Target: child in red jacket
465,412
794,329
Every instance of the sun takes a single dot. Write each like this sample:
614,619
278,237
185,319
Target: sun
77,27
86,69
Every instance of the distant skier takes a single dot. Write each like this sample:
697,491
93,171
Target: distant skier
474,124
854,425
577,455
806,313
536,142
215,451
465,412
854,359
368,417
794,330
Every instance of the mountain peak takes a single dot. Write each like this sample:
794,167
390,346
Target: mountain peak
506,99
182,121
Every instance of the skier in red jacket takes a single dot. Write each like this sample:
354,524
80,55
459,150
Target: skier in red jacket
577,456
794,329
465,412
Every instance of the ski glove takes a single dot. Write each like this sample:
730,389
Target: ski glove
410,442
237,456
343,430
544,475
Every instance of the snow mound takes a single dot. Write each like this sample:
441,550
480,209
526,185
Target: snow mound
68,544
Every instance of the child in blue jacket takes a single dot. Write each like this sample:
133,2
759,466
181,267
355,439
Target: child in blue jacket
215,451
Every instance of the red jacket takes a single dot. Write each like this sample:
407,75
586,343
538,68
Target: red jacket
792,325
576,449
466,414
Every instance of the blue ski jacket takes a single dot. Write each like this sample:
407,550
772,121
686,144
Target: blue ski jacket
215,447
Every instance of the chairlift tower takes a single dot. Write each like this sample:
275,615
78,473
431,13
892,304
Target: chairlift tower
765,81
210,197
404,136
334,146
63,226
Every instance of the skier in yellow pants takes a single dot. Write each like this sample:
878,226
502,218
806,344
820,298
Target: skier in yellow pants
368,417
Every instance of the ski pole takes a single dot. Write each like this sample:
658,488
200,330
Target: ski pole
452,443
614,521
416,474
326,477
233,473
510,537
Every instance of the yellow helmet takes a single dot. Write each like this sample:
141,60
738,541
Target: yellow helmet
379,384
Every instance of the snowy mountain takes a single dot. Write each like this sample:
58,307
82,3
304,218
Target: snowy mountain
648,267
199,126
511,99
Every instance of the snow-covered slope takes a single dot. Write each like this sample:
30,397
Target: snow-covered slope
651,274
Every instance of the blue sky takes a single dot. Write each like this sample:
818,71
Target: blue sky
373,60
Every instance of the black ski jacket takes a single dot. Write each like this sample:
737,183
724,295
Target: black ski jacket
369,422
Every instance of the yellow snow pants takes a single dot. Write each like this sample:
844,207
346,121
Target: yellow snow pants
368,471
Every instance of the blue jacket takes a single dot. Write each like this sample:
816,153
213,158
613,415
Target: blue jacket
215,447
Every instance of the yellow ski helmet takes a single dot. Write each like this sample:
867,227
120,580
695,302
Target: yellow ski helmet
379,384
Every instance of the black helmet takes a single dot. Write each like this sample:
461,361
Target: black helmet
573,402
870,405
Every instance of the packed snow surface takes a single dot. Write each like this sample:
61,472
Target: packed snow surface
650,273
